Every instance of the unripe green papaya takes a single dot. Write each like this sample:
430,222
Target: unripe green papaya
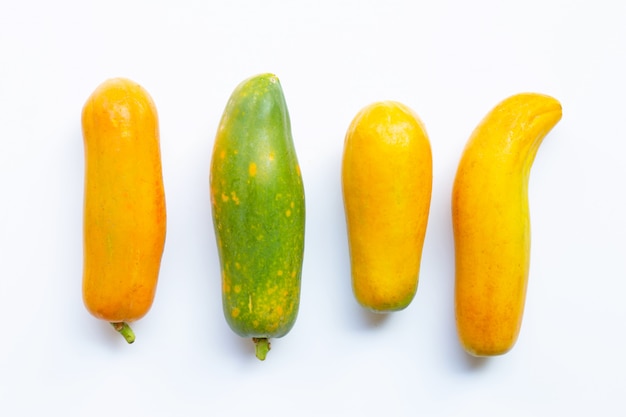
258,207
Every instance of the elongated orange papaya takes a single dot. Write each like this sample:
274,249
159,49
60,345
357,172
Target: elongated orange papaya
386,182
491,221
124,203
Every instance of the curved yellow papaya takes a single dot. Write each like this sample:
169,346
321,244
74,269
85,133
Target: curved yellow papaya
124,204
491,221
386,183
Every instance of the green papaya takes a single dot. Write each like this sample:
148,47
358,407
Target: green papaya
258,207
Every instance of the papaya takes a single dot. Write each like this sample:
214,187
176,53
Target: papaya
124,217
258,211
491,221
387,184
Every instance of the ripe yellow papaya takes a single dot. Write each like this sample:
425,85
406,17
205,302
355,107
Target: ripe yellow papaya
386,185
491,223
124,219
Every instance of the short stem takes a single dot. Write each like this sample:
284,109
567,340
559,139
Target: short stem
124,329
262,346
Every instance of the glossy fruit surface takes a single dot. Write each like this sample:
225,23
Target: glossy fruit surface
386,183
491,221
257,197
124,220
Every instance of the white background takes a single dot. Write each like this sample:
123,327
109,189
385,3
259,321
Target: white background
451,62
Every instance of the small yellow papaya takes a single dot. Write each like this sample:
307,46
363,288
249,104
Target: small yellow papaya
386,185
124,217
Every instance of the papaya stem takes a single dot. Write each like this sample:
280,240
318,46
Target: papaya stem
124,329
262,346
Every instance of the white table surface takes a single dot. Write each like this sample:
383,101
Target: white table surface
451,61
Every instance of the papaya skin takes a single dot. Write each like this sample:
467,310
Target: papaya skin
258,209
386,185
491,223
124,219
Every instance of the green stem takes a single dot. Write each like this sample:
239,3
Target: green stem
125,330
262,346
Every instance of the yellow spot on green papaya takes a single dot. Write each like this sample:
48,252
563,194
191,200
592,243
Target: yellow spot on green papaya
233,195
272,156
224,197
252,169
225,283
223,154
280,272
288,213
237,288
235,312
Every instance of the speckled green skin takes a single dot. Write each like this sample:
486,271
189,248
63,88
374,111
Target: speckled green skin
257,197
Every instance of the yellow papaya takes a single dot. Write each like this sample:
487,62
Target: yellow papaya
491,221
386,185
124,219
